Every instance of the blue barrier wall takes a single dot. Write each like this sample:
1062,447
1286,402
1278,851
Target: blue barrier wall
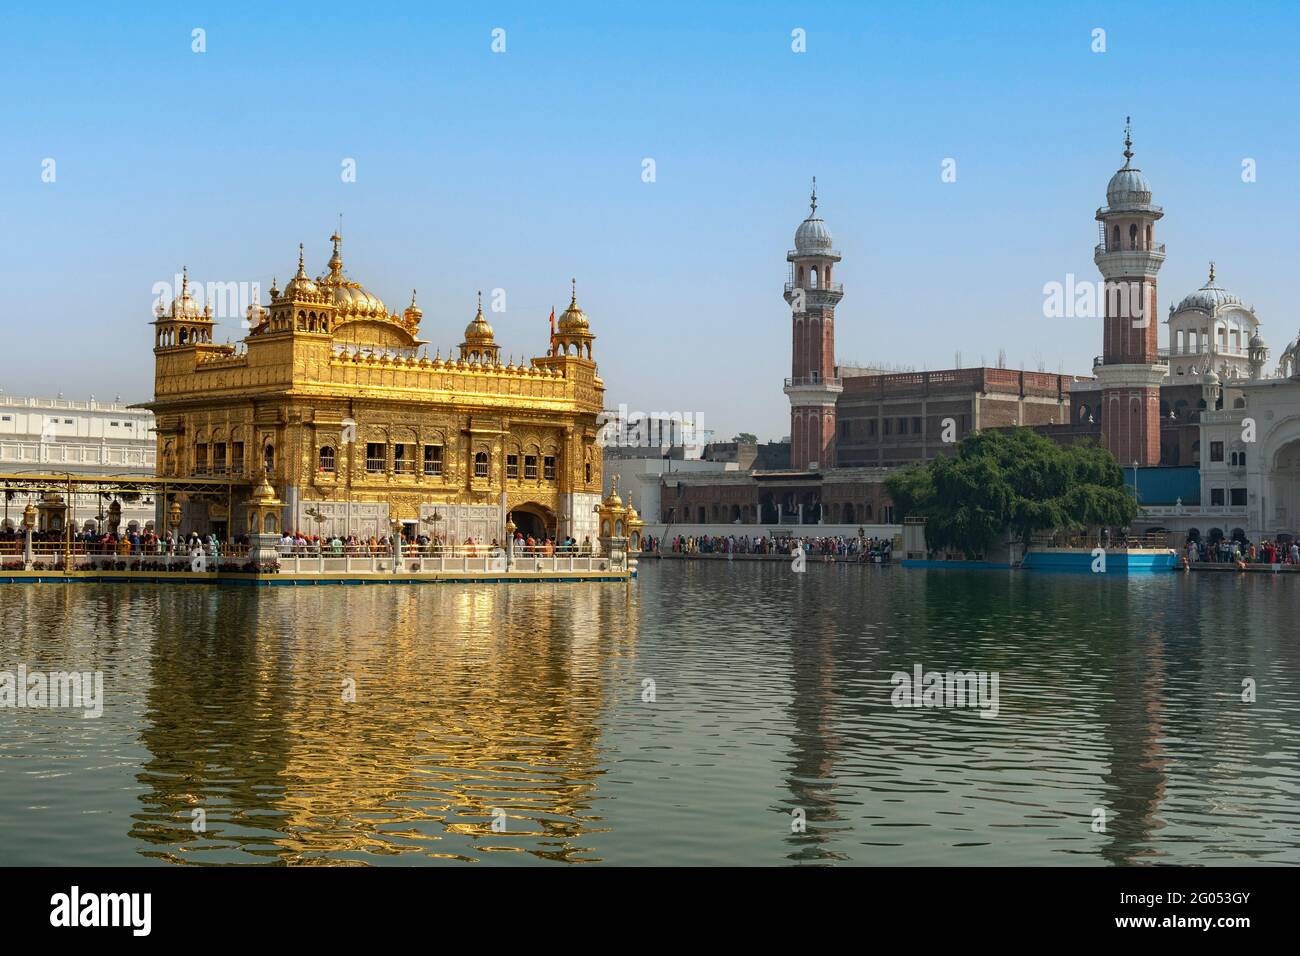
1164,486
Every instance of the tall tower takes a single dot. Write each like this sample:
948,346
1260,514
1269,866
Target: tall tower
1130,374
813,385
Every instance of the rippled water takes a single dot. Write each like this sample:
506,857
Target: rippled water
527,706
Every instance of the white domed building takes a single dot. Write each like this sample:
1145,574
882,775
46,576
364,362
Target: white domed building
1212,329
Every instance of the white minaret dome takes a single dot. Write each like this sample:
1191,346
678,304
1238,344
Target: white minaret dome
812,237
1128,187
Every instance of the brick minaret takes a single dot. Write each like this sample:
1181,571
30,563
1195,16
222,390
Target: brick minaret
813,385
1130,374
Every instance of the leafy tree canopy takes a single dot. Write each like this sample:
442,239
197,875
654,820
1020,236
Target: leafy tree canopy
1013,480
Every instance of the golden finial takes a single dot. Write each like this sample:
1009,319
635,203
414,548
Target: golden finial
814,198
573,298
1211,272
480,304
185,280
302,271
1128,139
412,297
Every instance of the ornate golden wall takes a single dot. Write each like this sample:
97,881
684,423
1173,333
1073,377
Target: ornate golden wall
338,401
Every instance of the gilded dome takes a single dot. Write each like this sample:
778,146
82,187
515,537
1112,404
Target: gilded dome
413,313
301,284
478,331
573,319
184,306
351,299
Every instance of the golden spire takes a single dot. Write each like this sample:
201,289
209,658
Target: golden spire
573,299
1211,282
814,198
1128,140
185,281
336,260
302,271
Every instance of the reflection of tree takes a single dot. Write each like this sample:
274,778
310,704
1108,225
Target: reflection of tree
468,700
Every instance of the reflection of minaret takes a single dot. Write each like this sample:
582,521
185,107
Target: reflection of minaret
1137,776
814,743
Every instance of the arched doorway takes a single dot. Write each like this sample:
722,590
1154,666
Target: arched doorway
533,520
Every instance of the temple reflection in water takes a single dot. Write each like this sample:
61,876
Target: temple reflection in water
468,702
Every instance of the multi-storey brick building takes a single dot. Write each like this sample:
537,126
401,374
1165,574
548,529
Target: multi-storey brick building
849,426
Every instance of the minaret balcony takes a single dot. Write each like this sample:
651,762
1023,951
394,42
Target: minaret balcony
1123,263
834,288
1125,245
804,381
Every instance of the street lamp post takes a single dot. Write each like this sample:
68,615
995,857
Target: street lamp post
510,543
29,522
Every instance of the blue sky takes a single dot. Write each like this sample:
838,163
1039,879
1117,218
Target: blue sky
519,170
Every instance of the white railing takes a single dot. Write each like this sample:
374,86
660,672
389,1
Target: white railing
1171,511
488,563
74,453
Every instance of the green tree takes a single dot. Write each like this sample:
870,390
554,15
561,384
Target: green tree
1017,481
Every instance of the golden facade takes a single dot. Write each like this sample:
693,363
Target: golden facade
336,401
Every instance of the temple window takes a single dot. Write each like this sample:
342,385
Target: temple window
403,459
327,458
481,465
530,467
200,459
548,468
433,460
376,457
512,466
237,458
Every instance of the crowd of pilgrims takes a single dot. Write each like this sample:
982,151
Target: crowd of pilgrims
299,544
837,546
1238,551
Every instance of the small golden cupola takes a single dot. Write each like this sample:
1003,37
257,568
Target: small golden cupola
302,307
480,341
412,316
184,324
573,334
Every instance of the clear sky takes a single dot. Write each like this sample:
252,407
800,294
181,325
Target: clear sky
517,170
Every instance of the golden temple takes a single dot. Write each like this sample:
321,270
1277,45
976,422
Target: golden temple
334,400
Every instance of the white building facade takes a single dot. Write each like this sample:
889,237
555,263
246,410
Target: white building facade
61,436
